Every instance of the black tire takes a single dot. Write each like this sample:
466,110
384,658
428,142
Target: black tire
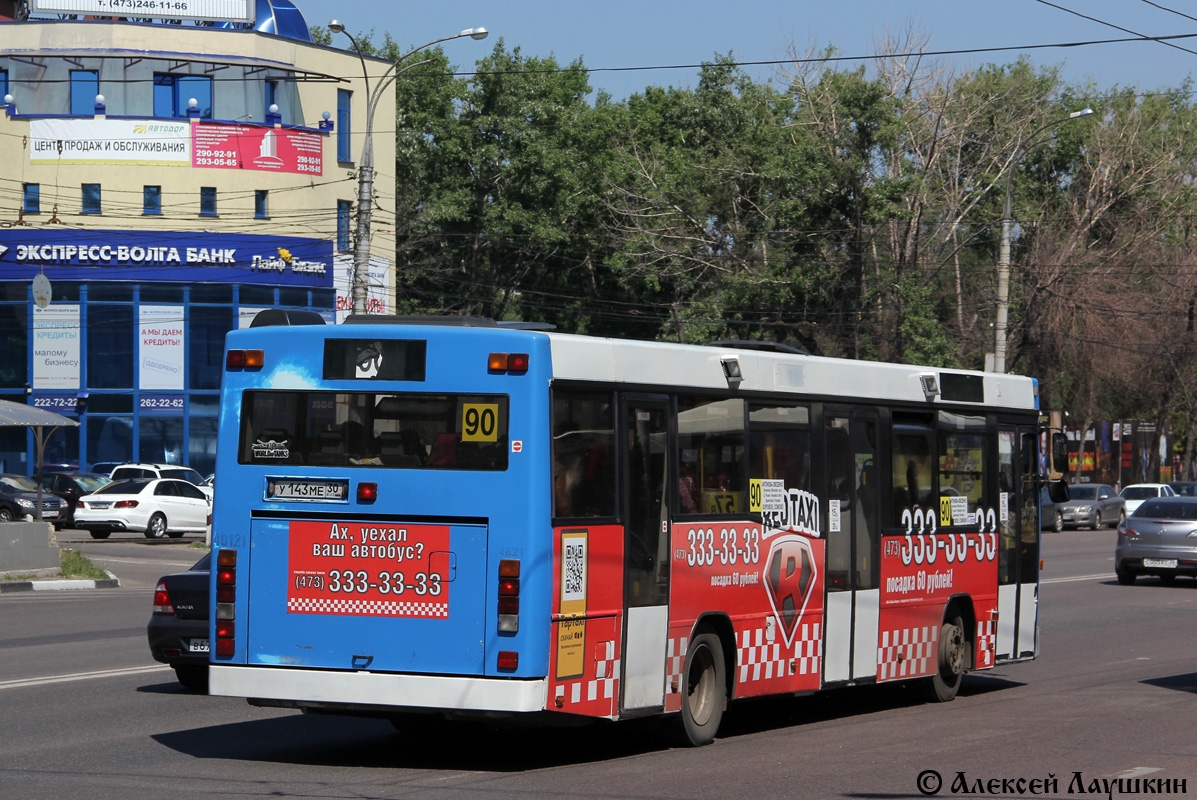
156,527
1121,518
5,515
1058,526
1125,576
99,534
193,677
704,689
943,685
1167,579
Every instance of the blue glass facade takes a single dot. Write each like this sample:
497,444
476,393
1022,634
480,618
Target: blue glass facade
138,362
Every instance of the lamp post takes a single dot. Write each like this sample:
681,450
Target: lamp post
1002,323
365,173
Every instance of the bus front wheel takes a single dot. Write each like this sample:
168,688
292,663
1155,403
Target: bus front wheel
704,691
943,685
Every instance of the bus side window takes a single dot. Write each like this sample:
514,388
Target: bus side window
583,454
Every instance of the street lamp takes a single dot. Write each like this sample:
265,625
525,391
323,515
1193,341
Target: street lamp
365,173
1001,325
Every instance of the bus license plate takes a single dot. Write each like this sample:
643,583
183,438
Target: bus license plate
197,646
307,489
1160,563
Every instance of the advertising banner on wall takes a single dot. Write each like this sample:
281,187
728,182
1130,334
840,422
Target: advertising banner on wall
106,255
214,10
56,348
160,347
378,286
220,145
162,143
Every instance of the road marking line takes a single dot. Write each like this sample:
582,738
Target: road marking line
81,676
1103,576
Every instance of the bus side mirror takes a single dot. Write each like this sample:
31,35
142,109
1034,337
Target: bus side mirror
1059,453
1058,491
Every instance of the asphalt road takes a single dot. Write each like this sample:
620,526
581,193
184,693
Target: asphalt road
87,714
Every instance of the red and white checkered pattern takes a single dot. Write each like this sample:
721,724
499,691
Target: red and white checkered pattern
763,660
907,652
366,608
606,669
675,660
606,672
986,644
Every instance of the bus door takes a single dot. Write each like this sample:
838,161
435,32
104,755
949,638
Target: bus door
853,546
646,455
1018,550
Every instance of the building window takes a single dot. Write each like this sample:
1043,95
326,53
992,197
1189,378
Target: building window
151,200
91,198
271,95
344,210
85,85
33,198
172,94
3,83
208,201
260,204
344,152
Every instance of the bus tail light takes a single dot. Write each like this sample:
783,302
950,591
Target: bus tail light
245,359
509,596
367,492
226,593
507,362
509,659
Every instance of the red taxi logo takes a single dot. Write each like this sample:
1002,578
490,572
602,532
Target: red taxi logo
790,574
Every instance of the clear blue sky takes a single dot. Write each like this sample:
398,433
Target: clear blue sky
648,33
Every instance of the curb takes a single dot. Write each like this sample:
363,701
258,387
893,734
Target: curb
111,582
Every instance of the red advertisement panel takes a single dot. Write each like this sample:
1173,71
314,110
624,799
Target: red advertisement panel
919,574
369,569
218,145
587,608
769,582
930,568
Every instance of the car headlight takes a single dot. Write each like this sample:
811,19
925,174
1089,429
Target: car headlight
23,503
1083,509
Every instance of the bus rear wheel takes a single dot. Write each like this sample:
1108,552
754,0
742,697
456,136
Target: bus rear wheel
704,689
943,685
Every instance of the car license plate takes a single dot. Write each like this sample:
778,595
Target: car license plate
197,646
98,505
1160,563
326,491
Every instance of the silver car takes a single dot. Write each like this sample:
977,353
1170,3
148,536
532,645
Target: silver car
1160,539
1093,505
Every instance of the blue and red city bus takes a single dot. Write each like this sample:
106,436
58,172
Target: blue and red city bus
423,518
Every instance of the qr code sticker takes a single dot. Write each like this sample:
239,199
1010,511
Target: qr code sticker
573,569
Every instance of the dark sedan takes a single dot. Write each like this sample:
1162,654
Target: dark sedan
178,629
19,498
70,486
1159,539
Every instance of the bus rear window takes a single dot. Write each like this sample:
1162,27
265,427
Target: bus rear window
369,429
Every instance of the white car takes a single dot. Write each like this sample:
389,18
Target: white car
157,507
1136,493
124,472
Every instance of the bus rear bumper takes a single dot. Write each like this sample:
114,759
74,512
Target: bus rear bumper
330,688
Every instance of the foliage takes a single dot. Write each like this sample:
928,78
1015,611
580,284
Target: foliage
851,212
